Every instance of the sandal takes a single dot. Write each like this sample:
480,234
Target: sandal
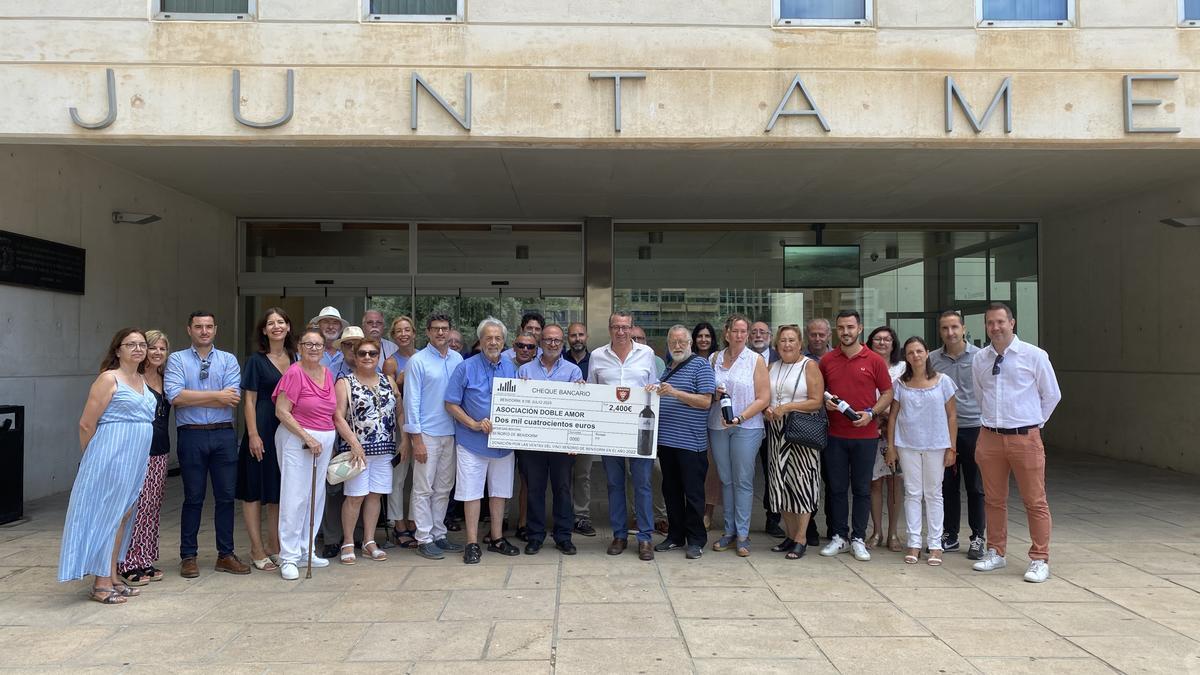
404,538
783,546
136,577
935,557
894,544
153,573
376,553
797,552
874,540
913,555
347,557
126,590
265,564
743,548
107,596
724,543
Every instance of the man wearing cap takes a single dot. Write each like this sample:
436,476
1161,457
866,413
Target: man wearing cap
331,324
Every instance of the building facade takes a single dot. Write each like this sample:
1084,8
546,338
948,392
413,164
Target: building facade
494,156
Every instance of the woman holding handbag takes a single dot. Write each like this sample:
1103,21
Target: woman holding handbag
368,420
793,455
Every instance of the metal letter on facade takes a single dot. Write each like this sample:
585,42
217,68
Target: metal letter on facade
1130,101
953,93
464,120
616,78
284,119
813,110
112,106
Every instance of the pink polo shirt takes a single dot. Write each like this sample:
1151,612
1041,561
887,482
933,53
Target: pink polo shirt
312,406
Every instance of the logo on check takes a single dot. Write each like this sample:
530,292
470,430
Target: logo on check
510,387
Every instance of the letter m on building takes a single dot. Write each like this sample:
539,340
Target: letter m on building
953,93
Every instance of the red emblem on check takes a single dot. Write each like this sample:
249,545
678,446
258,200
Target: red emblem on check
622,394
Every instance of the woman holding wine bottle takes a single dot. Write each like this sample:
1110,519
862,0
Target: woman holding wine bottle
735,428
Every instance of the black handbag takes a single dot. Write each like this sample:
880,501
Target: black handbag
810,430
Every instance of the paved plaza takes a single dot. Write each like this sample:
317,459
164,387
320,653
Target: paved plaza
1125,596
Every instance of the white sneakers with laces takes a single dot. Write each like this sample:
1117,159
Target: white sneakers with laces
835,546
991,561
289,571
859,548
1039,571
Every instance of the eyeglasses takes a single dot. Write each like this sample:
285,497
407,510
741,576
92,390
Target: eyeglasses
135,346
313,345
367,353
204,369
639,338
996,364
620,329
522,345
439,329
552,341
881,338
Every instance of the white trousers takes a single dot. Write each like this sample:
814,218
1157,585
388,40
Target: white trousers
399,495
923,471
432,482
297,500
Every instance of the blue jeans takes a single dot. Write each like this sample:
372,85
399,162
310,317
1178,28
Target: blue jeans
538,468
205,453
640,471
850,463
735,451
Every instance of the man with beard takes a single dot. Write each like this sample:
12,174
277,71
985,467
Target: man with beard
760,342
469,402
581,473
859,377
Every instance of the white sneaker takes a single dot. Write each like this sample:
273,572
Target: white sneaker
991,561
318,562
1039,571
835,546
859,548
289,571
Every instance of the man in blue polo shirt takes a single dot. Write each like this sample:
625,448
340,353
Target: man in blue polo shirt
685,396
555,467
469,402
203,383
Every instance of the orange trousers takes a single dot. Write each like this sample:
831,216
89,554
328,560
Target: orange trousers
1024,457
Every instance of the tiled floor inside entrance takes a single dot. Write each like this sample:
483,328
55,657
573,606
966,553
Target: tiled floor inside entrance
1125,596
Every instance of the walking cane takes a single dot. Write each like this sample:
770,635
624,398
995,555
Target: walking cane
312,516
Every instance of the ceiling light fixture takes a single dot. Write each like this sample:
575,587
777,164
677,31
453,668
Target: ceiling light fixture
1181,222
119,217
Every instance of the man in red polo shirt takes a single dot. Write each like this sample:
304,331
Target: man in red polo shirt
859,377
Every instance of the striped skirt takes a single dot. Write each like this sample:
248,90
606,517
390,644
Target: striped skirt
794,475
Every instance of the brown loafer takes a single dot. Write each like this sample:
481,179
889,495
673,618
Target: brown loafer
617,546
188,569
645,550
231,564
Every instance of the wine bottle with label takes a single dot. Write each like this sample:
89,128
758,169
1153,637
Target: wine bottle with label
843,407
726,402
646,430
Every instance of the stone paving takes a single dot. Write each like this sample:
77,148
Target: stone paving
1125,596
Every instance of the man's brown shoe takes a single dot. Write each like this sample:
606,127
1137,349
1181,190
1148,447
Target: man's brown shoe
617,546
645,550
231,564
188,569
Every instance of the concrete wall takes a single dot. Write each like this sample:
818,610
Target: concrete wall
146,276
1120,317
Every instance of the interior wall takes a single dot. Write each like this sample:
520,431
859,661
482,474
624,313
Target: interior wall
1120,313
149,276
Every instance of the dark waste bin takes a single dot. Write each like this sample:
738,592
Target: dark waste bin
12,459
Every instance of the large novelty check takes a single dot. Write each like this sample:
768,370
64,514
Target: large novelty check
589,419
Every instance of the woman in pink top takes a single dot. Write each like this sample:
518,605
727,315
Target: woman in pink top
304,403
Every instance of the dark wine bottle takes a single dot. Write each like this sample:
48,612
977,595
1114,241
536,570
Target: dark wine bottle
646,429
726,407
843,407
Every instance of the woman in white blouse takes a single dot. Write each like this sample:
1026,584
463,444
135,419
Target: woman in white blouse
921,432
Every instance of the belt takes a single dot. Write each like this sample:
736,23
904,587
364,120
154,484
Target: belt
1023,431
207,427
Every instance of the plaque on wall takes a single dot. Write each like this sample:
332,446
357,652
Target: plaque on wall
40,263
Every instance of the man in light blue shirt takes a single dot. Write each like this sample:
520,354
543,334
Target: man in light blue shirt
539,467
469,402
431,429
203,383
331,324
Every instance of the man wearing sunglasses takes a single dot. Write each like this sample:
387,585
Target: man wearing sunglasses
1017,392
203,382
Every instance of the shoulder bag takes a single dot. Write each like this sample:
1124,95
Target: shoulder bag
810,429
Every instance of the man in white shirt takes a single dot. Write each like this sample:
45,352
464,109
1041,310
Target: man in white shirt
626,363
1017,392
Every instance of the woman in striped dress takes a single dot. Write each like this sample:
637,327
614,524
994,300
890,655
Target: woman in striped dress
115,432
794,488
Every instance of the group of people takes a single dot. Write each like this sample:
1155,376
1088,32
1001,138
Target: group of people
831,420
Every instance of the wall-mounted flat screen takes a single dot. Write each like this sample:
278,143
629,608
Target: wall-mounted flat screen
821,267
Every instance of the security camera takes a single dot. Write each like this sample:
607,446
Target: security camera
874,256
134,218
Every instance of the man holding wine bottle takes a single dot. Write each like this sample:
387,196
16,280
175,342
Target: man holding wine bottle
625,363
853,374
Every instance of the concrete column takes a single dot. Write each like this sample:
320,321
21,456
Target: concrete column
598,278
